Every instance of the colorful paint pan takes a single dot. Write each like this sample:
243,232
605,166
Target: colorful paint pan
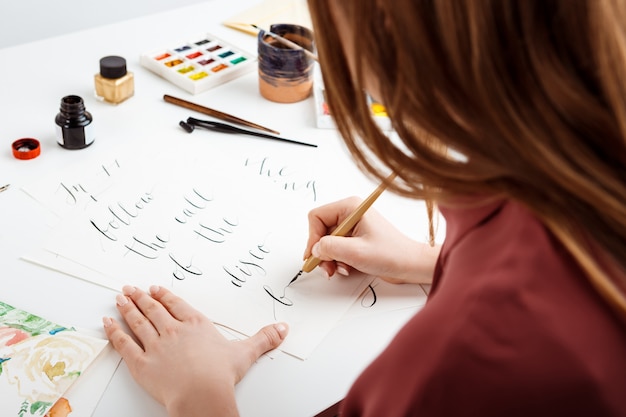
322,113
200,64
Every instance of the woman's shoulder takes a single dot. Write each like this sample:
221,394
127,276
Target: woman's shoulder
509,266
503,242
517,306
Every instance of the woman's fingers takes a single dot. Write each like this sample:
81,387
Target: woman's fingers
132,307
154,313
324,219
121,341
266,339
176,306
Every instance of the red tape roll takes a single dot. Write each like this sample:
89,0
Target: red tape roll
26,148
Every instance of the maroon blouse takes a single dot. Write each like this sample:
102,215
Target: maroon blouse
511,328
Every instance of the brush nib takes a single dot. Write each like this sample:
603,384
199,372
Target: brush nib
295,278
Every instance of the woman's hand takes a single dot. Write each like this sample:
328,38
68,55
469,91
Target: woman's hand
179,357
375,246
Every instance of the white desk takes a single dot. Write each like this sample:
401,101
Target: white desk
33,79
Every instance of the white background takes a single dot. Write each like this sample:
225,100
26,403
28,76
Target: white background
24,21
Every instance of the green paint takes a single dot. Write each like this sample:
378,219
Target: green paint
40,407
22,320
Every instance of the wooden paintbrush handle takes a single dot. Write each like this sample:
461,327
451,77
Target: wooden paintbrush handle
215,113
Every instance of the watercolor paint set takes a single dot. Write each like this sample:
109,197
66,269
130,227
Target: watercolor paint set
201,64
322,113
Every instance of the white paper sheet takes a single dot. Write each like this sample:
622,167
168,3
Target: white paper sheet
221,226
212,228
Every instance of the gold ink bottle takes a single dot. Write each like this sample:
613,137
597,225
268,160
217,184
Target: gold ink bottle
114,83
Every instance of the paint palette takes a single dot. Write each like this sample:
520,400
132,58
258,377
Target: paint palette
322,113
199,65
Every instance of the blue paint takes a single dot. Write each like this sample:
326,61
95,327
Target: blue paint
225,54
57,330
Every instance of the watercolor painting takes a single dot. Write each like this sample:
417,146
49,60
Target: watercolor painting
39,361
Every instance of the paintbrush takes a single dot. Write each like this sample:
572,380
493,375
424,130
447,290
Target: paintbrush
215,113
287,42
347,224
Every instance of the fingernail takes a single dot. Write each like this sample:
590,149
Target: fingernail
128,289
342,270
315,250
106,321
154,289
281,328
121,300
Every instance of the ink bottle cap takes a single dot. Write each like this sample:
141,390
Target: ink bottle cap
113,67
114,83
74,128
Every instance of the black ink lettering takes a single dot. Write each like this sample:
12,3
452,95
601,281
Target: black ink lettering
217,234
126,222
365,303
73,198
73,193
121,216
213,235
105,231
197,201
237,280
149,250
283,300
180,275
135,214
282,177
193,204
201,196
248,267
147,198
106,171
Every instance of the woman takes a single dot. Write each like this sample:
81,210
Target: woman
511,117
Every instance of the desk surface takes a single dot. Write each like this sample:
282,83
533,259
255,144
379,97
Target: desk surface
33,79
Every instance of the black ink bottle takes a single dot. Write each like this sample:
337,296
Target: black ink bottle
74,128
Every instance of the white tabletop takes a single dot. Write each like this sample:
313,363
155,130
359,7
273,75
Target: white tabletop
33,79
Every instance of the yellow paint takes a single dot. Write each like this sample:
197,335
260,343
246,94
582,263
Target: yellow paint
186,70
379,110
58,369
198,75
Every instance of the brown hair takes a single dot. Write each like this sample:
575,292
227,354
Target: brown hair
530,93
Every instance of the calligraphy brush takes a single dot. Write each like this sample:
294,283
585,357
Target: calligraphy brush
192,123
287,42
347,224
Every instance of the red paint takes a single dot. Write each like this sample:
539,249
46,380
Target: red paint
194,55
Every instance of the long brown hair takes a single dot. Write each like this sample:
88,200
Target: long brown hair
530,94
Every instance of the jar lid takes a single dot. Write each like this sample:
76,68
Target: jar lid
26,148
112,67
